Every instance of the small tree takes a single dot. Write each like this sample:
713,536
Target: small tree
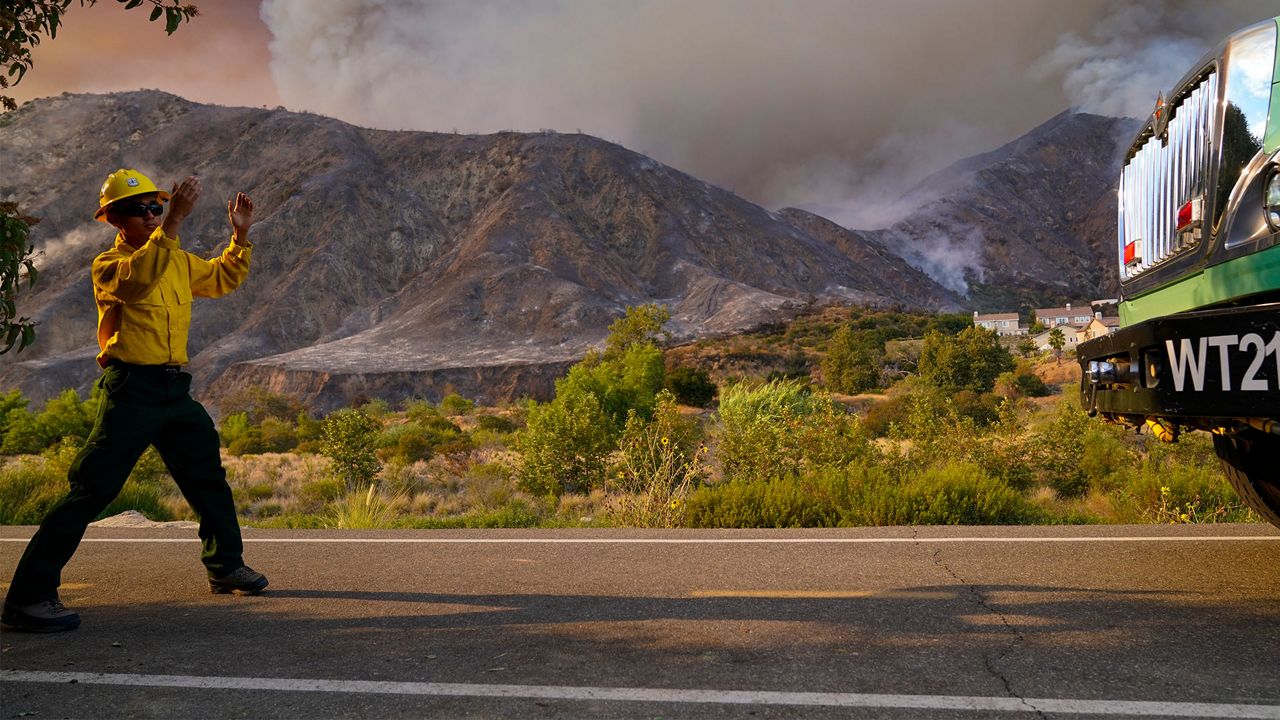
348,438
642,325
1056,341
565,444
1026,347
971,360
567,440
852,362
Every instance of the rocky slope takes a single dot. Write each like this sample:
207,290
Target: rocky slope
1032,222
406,263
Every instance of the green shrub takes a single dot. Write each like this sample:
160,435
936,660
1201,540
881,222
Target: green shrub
233,427
278,435
489,485
309,432
982,408
419,410
628,382
517,513
856,495
348,439
962,494
420,440
1020,382
658,463
853,359
316,493
23,434
1179,494
780,428
455,404
404,444
29,487
377,408
881,416
691,386
272,436
496,423
565,443
13,400
363,510
257,404
1030,385
65,415
1057,448
641,325
758,503
971,360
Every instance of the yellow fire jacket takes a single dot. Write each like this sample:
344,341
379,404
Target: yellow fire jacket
144,296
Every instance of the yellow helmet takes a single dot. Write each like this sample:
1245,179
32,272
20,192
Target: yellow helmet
121,184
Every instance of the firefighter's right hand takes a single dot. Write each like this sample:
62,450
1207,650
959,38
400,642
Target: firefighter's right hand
181,201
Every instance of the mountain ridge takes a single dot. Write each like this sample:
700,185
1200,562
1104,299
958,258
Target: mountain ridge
394,262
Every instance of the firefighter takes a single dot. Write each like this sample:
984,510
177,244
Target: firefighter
143,287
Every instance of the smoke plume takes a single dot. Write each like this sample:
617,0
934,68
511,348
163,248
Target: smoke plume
830,104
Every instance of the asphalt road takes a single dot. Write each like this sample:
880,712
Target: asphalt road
1107,622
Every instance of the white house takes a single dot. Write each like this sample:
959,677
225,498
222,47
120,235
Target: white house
1002,323
1070,335
1053,317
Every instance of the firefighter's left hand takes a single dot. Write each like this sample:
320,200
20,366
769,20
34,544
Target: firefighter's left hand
240,213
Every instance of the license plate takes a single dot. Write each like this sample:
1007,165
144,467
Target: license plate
1246,362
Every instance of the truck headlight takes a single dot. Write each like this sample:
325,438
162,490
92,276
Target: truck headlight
1271,201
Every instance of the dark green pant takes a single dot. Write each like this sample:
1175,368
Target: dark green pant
142,405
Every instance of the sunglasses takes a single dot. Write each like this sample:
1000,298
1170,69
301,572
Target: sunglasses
139,209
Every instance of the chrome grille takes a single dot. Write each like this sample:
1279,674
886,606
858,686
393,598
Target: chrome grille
1160,177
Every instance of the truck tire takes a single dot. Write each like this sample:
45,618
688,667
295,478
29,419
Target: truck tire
1251,461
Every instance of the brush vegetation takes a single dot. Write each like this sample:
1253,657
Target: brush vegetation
844,417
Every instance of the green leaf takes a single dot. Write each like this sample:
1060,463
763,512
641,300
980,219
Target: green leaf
132,4
172,18
28,336
156,13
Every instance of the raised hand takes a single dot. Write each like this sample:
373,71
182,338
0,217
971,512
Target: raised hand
240,213
181,201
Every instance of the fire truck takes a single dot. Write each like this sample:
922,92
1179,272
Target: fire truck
1198,256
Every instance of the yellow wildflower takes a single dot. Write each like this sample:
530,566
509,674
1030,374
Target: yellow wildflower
1164,491
665,441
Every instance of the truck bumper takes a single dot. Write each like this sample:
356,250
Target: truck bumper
1196,367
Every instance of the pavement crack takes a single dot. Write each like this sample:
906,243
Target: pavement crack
1017,636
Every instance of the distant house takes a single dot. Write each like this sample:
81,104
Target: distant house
1070,335
1098,327
1077,317
1002,323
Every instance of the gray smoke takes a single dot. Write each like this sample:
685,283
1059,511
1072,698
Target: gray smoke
836,105
951,260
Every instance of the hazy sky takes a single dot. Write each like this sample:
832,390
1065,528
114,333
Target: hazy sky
837,104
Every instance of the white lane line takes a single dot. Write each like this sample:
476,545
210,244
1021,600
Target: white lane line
660,695
697,541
